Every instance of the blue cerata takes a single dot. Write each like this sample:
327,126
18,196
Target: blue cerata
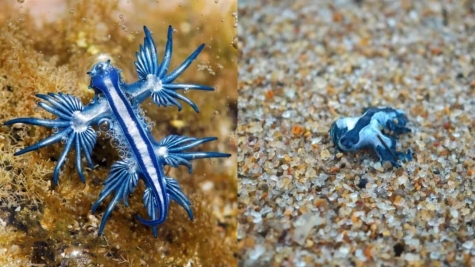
116,107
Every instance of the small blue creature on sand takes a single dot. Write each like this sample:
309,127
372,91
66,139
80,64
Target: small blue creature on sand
377,128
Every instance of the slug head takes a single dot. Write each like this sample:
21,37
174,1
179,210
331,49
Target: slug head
336,132
102,74
348,141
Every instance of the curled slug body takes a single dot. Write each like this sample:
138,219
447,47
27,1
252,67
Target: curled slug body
117,105
355,133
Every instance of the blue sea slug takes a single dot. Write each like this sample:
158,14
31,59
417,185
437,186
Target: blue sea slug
116,106
377,128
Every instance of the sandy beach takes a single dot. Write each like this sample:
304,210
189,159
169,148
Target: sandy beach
47,47
304,64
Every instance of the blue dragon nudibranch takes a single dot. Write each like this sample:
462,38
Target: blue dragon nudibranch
354,133
116,106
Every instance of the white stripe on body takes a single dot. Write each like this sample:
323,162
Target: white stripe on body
132,130
368,136
348,122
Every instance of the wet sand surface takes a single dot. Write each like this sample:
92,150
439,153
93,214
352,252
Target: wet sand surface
304,64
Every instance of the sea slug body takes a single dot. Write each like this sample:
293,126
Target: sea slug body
117,105
367,131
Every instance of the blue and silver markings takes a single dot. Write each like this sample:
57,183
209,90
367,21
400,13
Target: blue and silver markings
377,128
117,105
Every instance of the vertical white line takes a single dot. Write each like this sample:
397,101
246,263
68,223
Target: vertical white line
133,131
